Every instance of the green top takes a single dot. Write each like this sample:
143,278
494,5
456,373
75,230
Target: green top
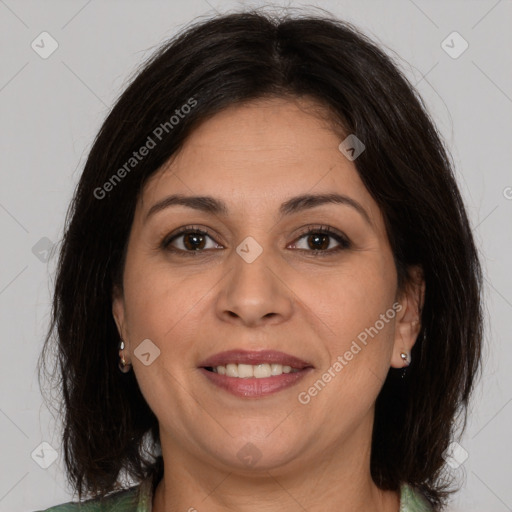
140,499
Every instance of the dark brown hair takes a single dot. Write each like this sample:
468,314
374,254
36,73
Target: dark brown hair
230,59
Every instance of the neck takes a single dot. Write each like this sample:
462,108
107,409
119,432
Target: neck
229,492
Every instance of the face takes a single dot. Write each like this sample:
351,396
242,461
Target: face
267,277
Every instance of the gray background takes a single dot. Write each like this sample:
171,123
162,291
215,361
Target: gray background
51,109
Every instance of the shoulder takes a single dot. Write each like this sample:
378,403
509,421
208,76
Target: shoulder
133,499
411,500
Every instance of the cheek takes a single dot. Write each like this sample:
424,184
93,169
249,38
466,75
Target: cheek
352,300
366,327
165,306
154,293
357,306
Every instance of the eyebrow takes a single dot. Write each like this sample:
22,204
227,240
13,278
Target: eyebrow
296,204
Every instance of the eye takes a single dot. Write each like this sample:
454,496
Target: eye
317,241
188,240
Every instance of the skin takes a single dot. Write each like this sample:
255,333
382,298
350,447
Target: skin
312,457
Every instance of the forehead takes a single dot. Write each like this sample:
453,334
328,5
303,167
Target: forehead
257,123
255,151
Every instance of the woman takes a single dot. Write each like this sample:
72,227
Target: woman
269,238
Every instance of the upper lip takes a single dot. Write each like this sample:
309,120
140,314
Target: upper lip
254,358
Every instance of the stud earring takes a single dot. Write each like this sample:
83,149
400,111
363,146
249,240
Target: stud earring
406,358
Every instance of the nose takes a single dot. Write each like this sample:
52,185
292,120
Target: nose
254,294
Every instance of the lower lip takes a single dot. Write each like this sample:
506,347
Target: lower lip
252,387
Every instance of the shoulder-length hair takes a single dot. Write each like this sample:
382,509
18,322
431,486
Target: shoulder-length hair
229,60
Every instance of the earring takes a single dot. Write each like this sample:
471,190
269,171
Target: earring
406,358
123,365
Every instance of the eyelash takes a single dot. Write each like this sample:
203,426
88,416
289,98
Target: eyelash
324,230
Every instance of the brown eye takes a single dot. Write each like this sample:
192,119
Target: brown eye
189,240
194,241
318,241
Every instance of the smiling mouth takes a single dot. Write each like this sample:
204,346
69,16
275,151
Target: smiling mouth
254,381
254,374
248,371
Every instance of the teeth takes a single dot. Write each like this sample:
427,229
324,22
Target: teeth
258,371
245,370
232,370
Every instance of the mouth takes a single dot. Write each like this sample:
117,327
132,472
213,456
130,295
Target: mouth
254,374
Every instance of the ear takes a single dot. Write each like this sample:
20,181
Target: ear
119,314
408,318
